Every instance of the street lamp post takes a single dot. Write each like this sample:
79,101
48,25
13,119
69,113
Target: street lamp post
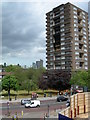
9,90
8,109
48,111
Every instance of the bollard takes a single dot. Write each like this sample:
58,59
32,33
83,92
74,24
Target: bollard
75,112
78,111
84,108
22,113
71,113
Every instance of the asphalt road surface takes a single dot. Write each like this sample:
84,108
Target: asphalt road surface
47,105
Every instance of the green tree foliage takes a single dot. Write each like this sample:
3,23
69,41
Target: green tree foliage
33,77
28,78
79,78
12,68
9,82
88,81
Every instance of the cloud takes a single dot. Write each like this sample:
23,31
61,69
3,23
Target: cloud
23,29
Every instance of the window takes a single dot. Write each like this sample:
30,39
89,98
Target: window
83,13
57,58
76,53
75,21
76,48
85,50
84,33
76,43
62,29
62,12
62,63
62,17
75,16
77,57
85,54
62,25
84,25
85,45
75,25
86,63
63,67
75,12
62,34
51,59
61,21
62,53
83,20
51,45
62,48
62,38
86,68
63,43
51,50
76,34
51,42
85,59
51,13
62,57
84,37
74,8
51,63
51,30
75,29
84,29
51,54
50,37
61,8
84,17
77,63
76,38
85,41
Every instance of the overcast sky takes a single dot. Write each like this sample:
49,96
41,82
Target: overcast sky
23,30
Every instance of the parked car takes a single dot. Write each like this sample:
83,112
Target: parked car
68,103
24,101
61,98
33,103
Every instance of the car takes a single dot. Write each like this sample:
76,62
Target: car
33,103
61,98
24,101
68,103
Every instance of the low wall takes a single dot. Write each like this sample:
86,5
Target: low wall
79,104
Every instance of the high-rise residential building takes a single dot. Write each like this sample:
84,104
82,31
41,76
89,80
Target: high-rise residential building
67,38
89,35
38,64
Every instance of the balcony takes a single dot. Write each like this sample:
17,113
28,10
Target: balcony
80,34
56,16
80,17
81,59
81,50
56,24
80,25
81,42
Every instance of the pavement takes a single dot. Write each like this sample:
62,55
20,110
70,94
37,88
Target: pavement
19,100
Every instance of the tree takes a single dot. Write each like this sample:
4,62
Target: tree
9,82
88,81
79,78
55,79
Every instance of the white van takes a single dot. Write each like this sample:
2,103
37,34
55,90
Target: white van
33,103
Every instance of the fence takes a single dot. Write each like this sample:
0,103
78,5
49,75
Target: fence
79,104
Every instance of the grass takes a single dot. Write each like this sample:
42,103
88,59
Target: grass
24,93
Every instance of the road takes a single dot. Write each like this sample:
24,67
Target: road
32,112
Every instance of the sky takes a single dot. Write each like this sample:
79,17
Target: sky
23,27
